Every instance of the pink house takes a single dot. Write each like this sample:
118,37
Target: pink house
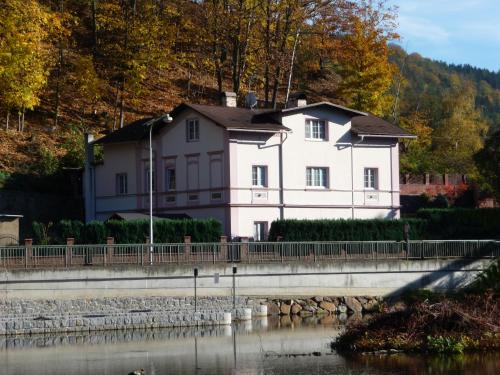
248,167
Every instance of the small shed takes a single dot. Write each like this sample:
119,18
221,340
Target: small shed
9,229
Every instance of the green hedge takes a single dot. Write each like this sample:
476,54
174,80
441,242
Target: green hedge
346,230
135,231
462,223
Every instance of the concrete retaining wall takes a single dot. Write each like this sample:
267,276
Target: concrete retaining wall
342,278
93,299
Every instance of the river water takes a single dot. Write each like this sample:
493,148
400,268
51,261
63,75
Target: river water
264,346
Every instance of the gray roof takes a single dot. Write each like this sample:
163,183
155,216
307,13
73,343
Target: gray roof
375,126
236,118
128,216
132,132
257,120
324,104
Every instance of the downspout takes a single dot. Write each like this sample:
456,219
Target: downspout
281,192
392,183
352,173
89,179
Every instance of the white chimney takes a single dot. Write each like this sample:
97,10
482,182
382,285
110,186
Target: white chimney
297,100
229,99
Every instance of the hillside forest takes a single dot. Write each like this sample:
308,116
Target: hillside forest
74,66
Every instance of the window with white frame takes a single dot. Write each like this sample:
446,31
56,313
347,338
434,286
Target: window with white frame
192,130
260,230
316,129
146,180
170,179
317,177
121,184
371,178
259,175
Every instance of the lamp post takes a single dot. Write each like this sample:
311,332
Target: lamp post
165,119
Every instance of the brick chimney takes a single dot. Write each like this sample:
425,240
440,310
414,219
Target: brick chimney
229,99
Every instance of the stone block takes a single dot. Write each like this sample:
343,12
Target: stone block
353,304
328,306
296,308
285,309
273,308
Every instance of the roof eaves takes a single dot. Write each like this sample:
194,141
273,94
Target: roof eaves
372,135
337,106
284,128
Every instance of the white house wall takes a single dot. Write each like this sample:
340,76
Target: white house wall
118,158
174,149
221,162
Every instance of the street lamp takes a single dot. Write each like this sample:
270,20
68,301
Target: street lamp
166,119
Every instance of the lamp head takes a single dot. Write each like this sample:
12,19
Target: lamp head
167,119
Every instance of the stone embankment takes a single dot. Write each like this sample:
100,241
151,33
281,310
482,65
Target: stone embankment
87,315
51,316
318,305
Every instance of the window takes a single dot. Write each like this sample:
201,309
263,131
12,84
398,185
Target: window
260,230
316,129
317,177
371,178
121,184
259,175
192,197
192,130
146,180
169,178
170,199
216,196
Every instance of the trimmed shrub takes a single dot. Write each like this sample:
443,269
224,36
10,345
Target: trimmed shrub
41,233
462,223
66,229
346,230
134,231
94,233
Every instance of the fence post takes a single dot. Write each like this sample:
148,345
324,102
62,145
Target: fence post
28,252
223,248
69,251
187,248
108,256
142,251
244,249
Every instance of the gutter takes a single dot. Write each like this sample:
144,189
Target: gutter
386,136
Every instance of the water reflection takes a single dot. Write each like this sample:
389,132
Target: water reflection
263,346
466,364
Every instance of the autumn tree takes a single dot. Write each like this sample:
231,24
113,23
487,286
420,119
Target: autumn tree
416,154
461,131
488,162
363,58
133,37
25,28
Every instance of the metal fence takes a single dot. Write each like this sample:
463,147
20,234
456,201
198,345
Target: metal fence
244,252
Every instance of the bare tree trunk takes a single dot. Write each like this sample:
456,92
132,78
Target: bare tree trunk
59,73
188,86
297,35
115,109
19,129
122,104
7,120
94,28
22,120
268,53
